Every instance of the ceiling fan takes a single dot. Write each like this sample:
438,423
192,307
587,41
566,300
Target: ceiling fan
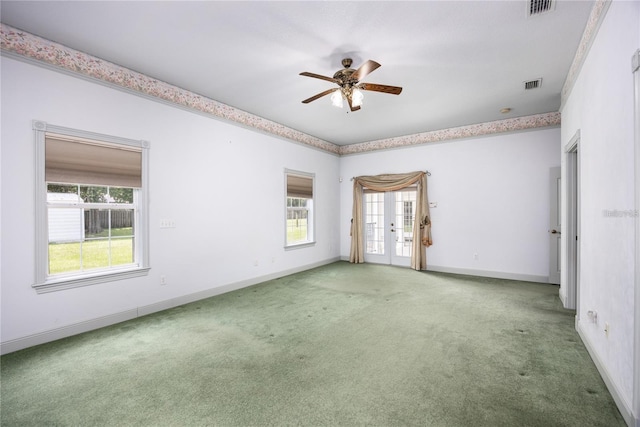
349,84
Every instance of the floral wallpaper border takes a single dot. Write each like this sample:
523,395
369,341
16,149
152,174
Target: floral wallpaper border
596,16
32,47
488,128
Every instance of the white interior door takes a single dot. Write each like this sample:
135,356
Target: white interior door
555,226
388,226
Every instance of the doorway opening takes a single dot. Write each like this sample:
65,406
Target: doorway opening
572,234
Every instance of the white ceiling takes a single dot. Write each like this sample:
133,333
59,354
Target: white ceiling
459,62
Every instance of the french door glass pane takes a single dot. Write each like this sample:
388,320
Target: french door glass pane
405,212
374,223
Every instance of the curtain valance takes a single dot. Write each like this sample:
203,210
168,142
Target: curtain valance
389,182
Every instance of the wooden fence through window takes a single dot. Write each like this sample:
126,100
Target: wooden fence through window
119,218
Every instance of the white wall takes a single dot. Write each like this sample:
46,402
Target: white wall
492,194
222,184
600,106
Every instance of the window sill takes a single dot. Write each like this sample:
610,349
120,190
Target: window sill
299,246
62,283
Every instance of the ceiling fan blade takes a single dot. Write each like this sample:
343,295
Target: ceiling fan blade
351,105
365,69
318,76
320,95
393,90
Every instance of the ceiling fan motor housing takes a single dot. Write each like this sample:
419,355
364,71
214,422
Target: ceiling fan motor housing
344,76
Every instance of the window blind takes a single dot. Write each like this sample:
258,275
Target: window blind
82,161
299,186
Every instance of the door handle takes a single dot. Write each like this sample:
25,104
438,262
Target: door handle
555,232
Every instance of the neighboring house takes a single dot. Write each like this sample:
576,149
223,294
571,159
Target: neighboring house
65,225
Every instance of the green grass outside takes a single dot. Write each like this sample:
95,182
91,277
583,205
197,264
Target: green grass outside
65,257
115,232
296,230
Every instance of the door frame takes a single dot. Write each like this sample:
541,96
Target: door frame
635,66
572,230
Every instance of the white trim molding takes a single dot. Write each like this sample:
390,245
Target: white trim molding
635,70
569,283
623,406
43,281
481,273
490,274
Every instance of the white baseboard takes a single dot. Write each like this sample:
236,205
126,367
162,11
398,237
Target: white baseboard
562,297
623,406
66,331
97,323
482,273
486,273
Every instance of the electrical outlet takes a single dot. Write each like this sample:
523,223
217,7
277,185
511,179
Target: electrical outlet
163,280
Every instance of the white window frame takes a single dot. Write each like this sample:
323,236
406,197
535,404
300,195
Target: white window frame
311,226
49,283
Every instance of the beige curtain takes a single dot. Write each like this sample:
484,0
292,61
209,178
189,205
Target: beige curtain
422,222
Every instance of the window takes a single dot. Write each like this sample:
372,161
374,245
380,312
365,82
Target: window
408,215
299,209
91,215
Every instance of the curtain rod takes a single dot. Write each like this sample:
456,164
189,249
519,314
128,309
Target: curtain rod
427,172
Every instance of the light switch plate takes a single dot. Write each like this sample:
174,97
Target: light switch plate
167,223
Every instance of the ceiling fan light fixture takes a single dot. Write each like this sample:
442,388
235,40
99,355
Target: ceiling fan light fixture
356,97
349,86
336,99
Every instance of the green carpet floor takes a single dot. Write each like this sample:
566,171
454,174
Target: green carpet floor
339,345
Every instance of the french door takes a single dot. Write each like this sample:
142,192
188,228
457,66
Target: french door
388,226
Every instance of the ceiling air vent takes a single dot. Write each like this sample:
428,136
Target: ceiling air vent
532,84
537,7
